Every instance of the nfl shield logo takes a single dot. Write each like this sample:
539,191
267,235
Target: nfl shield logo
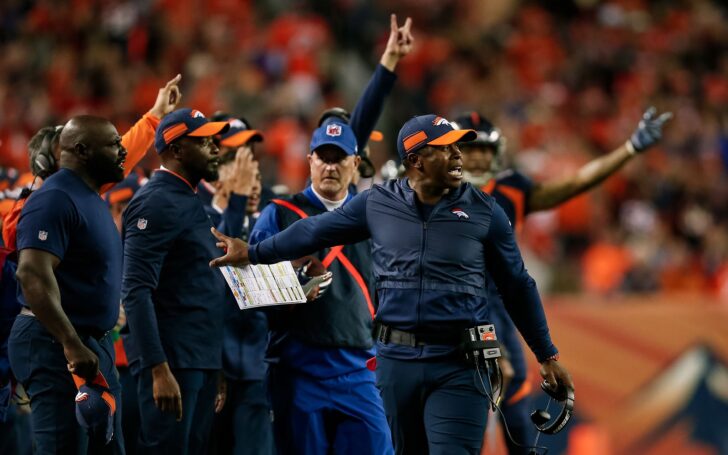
142,223
333,130
42,236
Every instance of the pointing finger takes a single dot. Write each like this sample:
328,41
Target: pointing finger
174,81
393,23
665,116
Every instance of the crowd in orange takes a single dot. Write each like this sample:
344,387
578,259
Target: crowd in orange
565,82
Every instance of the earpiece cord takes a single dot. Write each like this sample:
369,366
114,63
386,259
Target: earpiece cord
505,422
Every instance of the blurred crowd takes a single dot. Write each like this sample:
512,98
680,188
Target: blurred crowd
565,81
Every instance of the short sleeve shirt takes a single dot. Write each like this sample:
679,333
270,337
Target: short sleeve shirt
69,220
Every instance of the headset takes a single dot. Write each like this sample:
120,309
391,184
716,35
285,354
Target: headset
44,161
541,417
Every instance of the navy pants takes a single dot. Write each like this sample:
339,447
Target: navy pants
160,432
516,409
341,415
130,420
434,406
244,425
39,364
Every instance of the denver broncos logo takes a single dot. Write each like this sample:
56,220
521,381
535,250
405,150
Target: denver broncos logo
440,121
196,114
460,214
81,396
238,124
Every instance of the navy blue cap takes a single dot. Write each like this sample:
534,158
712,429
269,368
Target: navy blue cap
95,406
186,122
487,132
335,133
429,129
239,134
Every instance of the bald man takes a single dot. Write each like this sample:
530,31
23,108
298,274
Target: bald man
69,271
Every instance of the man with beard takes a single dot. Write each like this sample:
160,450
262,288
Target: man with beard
69,271
432,240
174,303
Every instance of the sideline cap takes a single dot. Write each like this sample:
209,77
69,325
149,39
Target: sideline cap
186,122
429,129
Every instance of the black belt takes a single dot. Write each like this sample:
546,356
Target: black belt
97,334
386,334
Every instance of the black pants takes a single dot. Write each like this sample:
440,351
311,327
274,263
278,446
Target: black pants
433,406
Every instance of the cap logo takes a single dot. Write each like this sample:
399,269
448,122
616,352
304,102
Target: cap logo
460,213
333,130
440,121
142,224
196,114
237,123
42,236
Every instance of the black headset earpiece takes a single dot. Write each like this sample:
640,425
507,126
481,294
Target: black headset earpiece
542,419
45,160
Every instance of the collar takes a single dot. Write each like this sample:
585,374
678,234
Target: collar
167,171
314,198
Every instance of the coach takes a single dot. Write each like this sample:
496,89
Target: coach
69,273
432,240
174,303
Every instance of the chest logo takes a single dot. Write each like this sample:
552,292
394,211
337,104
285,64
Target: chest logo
460,214
142,223
42,236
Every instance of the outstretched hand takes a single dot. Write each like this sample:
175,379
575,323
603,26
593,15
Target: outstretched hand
399,44
168,98
236,251
649,130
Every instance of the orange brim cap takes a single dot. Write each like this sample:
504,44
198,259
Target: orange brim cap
376,136
209,129
454,136
242,138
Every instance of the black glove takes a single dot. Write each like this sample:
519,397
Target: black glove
649,130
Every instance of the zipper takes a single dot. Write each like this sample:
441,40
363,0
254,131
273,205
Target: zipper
422,274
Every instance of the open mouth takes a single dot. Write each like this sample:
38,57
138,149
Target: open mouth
456,172
120,164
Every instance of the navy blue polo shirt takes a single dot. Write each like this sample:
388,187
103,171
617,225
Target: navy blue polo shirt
68,219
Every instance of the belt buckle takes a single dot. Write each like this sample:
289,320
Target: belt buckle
384,332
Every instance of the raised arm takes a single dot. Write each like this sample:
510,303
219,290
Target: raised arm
141,136
371,103
550,194
505,265
343,226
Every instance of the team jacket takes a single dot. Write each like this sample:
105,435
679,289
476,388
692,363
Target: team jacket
175,302
343,316
430,274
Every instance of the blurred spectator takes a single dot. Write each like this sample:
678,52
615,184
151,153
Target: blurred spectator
565,84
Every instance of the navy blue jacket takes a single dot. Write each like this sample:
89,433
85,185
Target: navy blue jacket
430,274
370,105
246,332
173,299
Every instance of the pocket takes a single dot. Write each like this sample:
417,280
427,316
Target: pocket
19,349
